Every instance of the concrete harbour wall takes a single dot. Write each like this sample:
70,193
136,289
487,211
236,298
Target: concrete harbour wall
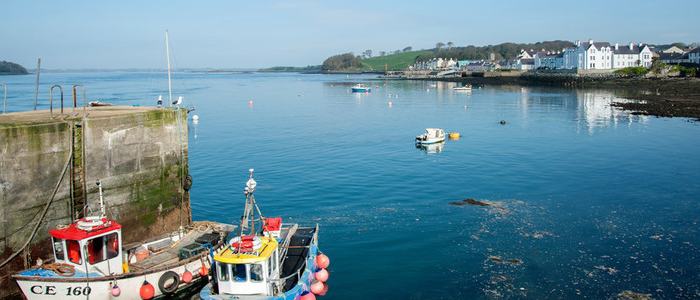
138,153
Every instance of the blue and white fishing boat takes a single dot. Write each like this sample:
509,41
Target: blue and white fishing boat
361,88
273,261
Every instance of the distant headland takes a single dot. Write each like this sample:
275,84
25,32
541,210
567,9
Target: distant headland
8,68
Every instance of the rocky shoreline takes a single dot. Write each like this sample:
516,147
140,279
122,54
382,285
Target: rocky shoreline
661,97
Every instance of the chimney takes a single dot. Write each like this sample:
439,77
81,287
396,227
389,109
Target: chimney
590,41
616,46
640,44
631,45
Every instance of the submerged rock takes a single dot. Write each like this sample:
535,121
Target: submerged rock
470,202
630,295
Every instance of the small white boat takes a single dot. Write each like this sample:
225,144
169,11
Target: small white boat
466,87
431,136
90,262
361,88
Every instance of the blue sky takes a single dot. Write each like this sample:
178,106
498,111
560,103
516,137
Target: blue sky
251,34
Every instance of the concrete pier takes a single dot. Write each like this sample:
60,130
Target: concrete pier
140,155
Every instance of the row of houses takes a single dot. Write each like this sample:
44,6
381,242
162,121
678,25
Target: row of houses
582,55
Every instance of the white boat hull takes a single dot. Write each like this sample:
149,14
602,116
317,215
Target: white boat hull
101,287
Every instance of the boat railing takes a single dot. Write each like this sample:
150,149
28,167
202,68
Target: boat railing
284,246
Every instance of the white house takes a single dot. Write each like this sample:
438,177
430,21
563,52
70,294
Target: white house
694,56
631,56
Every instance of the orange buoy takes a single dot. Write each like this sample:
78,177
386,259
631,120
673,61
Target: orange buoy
325,289
322,275
316,287
204,271
454,135
390,103
322,261
307,296
146,291
187,276
250,103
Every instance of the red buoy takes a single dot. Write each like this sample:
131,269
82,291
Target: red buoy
322,261
322,275
187,276
204,271
316,287
116,291
307,296
146,291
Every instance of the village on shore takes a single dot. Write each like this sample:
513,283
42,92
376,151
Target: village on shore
593,57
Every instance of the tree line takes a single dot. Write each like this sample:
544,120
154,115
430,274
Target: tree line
8,68
347,61
500,51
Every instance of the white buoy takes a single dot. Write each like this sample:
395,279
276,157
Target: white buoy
195,118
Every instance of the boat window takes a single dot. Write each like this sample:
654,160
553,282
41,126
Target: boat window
256,272
73,251
223,271
102,248
239,273
58,252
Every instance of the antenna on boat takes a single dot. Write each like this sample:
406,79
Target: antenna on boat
249,212
102,202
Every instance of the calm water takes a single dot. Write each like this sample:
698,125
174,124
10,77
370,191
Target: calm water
588,201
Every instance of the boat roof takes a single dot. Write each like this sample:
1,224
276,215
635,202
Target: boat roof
432,129
72,232
231,256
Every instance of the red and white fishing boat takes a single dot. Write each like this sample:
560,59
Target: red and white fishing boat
90,262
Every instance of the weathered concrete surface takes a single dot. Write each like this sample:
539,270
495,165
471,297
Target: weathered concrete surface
139,153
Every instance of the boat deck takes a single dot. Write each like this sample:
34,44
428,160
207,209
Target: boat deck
167,253
296,254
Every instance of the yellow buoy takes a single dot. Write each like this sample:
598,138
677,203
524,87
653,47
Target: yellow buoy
454,135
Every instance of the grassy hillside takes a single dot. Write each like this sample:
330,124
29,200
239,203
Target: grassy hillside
395,61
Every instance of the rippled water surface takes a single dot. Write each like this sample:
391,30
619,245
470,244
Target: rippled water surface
586,201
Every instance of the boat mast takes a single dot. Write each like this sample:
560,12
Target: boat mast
167,54
250,206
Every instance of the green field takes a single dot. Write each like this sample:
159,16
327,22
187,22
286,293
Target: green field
394,62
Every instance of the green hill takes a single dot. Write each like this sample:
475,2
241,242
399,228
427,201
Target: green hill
393,62
8,68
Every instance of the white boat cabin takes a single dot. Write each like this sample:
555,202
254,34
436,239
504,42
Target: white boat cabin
250,265
90,245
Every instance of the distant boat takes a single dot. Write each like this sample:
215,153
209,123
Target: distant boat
466,87
431,136
361,88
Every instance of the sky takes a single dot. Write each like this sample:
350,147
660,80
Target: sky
238,34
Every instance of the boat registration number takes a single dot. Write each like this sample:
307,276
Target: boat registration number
51,290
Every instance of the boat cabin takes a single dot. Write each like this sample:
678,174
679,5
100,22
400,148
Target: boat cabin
91,244
250,265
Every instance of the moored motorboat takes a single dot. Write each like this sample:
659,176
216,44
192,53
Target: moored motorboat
275,261
466,87
90,261
431,136
361,88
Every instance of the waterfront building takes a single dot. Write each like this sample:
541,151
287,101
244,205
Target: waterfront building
694,56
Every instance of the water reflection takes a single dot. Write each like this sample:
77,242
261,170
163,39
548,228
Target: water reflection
592,109
431,148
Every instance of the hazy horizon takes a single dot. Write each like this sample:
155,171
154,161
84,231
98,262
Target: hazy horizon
255,35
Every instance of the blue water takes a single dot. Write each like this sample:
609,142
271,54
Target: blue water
588,201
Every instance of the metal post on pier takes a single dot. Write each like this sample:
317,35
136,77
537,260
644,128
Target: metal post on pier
4,102
36,88
74,102
51,99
